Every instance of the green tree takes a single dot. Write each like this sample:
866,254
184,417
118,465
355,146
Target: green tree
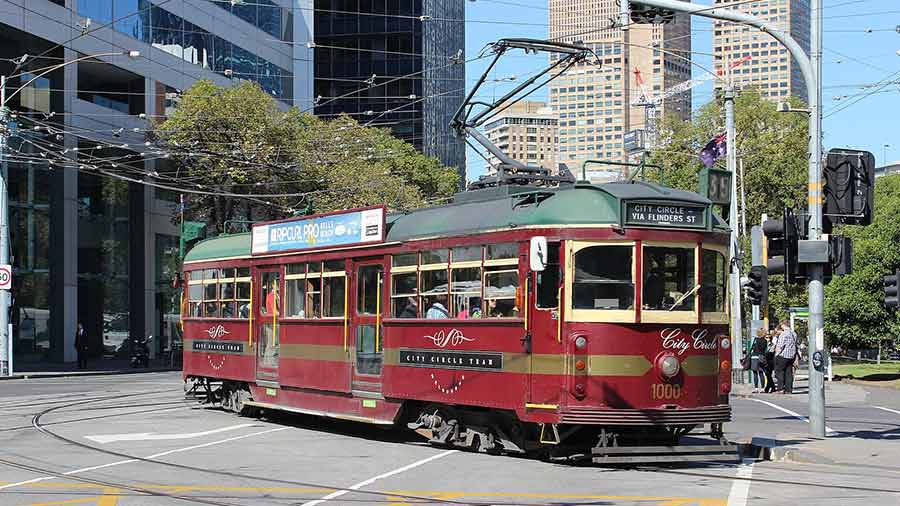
854,313
238,147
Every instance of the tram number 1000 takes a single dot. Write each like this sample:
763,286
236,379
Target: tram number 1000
665,391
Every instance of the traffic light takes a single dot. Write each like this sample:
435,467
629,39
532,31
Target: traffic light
890,289
644,14
781,242
849,188
758,287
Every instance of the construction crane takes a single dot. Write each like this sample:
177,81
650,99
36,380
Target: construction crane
651,105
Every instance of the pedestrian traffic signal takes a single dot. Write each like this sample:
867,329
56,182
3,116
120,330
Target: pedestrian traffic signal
758,286
890,289
781,243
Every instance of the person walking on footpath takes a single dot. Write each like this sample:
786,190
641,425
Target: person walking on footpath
785,353
81,346
758,360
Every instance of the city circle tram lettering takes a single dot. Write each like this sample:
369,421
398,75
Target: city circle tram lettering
229,347
665,215
446,359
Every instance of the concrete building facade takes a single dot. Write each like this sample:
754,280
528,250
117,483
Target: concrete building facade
95,249
768,66
527,131
593,101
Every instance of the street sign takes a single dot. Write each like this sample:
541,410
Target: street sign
5,277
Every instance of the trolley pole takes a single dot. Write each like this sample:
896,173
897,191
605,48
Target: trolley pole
737,330
811,71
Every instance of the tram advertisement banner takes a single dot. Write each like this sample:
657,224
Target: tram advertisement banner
665,215
324,231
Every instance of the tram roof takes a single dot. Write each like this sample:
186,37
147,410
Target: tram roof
504,207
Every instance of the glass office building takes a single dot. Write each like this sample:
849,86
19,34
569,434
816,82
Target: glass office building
92,248
397,64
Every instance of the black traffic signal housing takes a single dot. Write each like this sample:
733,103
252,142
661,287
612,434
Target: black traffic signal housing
781,242
758,287
644,14
849,189
891,284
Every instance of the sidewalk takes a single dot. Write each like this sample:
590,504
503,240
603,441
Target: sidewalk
95,368
863,428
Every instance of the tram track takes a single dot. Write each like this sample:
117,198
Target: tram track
43,428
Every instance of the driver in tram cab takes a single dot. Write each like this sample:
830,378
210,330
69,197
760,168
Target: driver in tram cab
654,287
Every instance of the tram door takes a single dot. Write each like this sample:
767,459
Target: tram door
268,292
546,357
366,332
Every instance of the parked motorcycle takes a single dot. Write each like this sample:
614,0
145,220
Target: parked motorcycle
140,352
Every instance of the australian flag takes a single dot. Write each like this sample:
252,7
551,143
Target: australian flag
714,150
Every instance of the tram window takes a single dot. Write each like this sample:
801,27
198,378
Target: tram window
269,301
333,296
195,296
434,293
210,274
368,358
465,291
503,250
210,291
295,297
548,280
403,260
243,272
227,309
501,288
314,267
195,292
435,256
313,297
403,295
466,254
226,289
335,266
669,278
712,293
211,309
295,269
603,278
195,275
367,280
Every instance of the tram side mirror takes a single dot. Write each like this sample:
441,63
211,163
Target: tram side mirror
538,253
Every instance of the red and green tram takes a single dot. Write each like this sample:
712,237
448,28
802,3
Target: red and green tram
572,320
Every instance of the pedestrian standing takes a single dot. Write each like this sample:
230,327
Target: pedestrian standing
785,354
758,360
81,346
770,361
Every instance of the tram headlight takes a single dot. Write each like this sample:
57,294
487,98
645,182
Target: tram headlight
580,342
669,366
726,343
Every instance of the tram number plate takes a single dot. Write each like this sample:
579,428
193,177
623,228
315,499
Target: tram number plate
665,391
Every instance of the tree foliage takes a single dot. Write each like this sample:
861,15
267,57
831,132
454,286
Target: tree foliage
854,313
238,147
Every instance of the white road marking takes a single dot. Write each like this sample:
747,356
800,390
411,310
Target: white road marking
153,436
889,410
740,487
148,457
370,481
792,413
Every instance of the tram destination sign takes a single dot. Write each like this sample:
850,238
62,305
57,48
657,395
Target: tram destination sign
344,228
648,214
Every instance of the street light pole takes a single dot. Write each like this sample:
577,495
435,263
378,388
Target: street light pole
811,74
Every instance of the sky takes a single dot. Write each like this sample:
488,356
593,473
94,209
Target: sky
861,66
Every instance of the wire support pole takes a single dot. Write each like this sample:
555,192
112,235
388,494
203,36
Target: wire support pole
811,71
734,279
5,338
